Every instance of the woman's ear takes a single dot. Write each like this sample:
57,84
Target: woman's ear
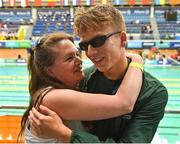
123,39
49,72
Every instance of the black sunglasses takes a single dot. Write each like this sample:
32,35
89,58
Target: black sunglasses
96,42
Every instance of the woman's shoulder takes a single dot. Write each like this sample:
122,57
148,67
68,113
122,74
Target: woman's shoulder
32,138
40,94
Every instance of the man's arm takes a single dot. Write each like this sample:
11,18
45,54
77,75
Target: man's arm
141,128
143,125
149,110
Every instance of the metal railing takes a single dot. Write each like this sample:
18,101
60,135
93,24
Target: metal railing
13,107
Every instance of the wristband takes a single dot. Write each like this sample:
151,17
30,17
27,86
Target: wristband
136,65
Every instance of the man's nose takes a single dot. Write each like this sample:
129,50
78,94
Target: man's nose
91,51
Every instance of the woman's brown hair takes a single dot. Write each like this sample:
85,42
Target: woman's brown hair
42,56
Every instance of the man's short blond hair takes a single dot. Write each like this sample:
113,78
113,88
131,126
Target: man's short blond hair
96,18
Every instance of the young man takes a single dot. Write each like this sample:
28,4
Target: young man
103,38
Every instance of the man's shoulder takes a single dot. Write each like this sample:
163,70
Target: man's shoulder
151,81
152,87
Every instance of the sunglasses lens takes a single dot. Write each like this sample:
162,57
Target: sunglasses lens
98,41
95,42
83,46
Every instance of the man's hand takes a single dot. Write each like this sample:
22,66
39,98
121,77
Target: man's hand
48,124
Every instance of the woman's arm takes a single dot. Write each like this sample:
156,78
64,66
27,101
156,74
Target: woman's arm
74,105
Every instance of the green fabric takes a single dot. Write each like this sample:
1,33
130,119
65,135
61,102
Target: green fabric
78,136
84,137
136,127
88,72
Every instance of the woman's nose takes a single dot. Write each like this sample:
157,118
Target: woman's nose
78,60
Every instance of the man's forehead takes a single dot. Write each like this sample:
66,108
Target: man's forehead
89,34
95,32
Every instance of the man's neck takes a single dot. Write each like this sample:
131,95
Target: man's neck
118,70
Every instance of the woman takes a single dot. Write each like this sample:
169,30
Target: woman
56,69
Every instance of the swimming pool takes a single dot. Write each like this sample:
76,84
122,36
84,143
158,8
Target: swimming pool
14,92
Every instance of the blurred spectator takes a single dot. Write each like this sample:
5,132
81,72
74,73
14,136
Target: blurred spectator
10,24
172,36
176,56
150,29
136,22
2,37
165,60
19,56
8,36
147,29
143,29
152,53
5,28
20,59
158,56
13,36
166,36
131,36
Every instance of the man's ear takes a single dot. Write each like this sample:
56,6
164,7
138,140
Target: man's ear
123,39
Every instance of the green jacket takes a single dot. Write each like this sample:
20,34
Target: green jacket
138,126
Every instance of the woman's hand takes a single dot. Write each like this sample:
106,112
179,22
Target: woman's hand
135,58
46,123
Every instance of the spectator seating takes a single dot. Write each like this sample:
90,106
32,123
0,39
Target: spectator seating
49,21
136,19
167,29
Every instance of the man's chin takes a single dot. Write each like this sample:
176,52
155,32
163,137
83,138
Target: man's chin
101,69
